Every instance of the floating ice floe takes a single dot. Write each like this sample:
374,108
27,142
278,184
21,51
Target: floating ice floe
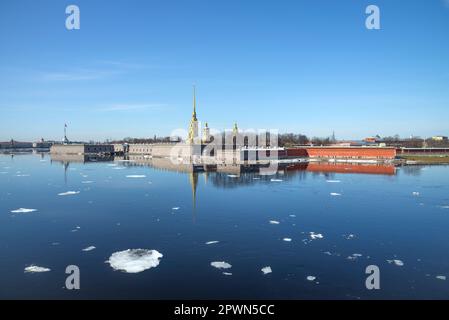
314,235
396,262
349,236
415,193
233,176
441,277
112,165
119,168
220,265
68,193
274,222
227,273
354,256
311,278
87,182
175,208
276,180
23,210
335,194
134,260
136,176
333,181
287,239
292,216
22,175
212,242
444,207
90,248
266,270
35,269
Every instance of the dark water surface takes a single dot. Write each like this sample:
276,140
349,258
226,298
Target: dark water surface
401,216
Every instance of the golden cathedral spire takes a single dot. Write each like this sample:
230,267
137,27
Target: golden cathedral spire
193,127
194,104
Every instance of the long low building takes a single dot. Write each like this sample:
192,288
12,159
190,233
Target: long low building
82,149
15,145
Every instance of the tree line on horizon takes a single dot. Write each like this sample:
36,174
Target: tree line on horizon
297,139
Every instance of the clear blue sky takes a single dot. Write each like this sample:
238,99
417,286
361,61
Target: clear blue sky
301,66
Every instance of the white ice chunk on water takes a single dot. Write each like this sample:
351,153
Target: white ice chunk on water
136,176
23,210
212,242
68,193
354,256
119,168
311,278
87,182
112,165
314,235
396,262
175,208
292,216
220,265
266,270
287,239
441,277
276,180
274,222
232,176
90,248
335,194
227,273
35,269
333,181
415,193
134,260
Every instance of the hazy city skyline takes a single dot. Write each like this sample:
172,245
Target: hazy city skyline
297,66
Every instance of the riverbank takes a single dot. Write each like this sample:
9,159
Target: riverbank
424,159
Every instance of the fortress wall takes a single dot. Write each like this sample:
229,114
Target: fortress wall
343,152
67,149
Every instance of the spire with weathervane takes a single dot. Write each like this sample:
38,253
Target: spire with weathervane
193,127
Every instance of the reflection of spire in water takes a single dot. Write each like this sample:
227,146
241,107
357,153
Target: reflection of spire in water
66,166
193,177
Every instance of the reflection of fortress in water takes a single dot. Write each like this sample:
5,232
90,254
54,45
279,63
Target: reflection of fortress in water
231,175
232,169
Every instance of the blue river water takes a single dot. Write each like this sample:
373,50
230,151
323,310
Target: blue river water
316,230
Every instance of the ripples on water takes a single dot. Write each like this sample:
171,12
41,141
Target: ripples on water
151,231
